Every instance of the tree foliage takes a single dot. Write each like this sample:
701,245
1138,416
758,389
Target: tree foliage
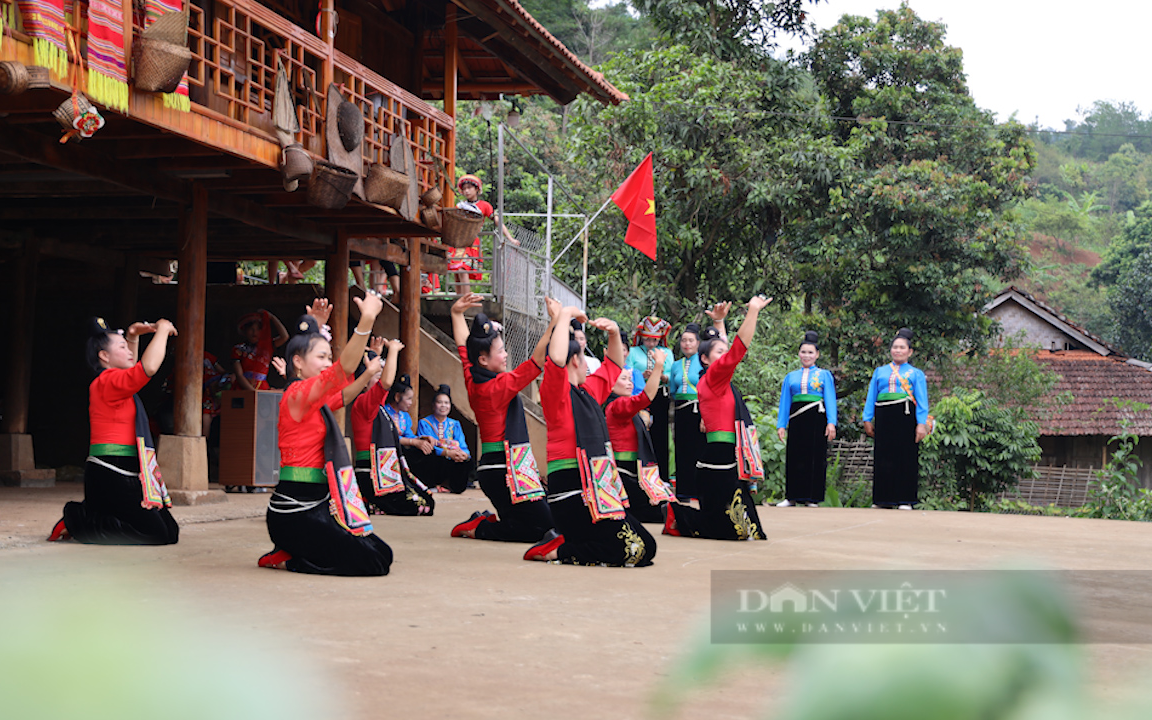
729,30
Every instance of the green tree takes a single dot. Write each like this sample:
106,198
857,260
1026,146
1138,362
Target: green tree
915,222
1131,303
729,30
1103,130
594,34
1134,240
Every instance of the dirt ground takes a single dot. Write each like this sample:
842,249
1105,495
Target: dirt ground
466,629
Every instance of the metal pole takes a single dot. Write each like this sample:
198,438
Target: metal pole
548,240
497,242
584,275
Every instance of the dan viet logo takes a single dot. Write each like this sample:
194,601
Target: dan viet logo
789,598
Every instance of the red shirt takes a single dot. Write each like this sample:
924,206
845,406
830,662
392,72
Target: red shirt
717,406
363,414
255,359
556,399
302,443
111,409
619,414
489,400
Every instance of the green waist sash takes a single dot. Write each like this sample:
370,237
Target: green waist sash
562,464
807,397
363,454
685,396
885,397
627,456
303,475
491,447
725,437
106,449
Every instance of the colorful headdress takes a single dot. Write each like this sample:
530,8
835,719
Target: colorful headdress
252,317
652,327
470,179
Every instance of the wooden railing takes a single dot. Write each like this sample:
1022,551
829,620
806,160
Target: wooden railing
235,45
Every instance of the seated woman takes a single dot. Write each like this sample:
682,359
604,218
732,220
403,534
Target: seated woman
398,406
316,518
635,457
125,501
593,526
450,462
507,471
731,454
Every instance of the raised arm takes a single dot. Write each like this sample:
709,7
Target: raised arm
391,362
357,386
370,307
281,336
748,327
459,322
558,344
652,385
616,350
153,356
541,349
718,312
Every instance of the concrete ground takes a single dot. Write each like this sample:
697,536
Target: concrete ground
466,629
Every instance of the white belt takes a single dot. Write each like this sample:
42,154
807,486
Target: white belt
113,468
482,468
808,407
695,405
897,402
624,471
292,505
564,495
708,466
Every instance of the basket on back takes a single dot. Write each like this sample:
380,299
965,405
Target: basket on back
460,227
160,55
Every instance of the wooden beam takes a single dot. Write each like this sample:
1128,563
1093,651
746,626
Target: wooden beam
162,148
378,249
22,314
451,77
108,211
190,305
43,150
409,361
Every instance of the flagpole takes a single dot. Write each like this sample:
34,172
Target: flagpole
581,231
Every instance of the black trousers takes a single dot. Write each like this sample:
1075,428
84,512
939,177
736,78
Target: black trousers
434,470
614,543
317,544
523,522
110,513
639,504
689,443
896,456
659,408
727,510
406,502
806,456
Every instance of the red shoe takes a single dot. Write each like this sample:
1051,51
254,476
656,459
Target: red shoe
472,523
670,521
552,541
59,532
274,559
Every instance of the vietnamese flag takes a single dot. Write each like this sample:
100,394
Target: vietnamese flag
638,201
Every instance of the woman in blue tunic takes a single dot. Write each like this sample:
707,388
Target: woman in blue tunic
896,416
451,461
807,418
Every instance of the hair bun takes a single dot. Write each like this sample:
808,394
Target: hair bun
306,325
483,328
576,324
693,328
905,333
709,333
98,326
444,389
405,380
811,337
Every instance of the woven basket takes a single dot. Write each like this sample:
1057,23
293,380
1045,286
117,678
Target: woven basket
171,27
385,186
38,77
330,186
67,111
295,162
431,197
461,227
13,78
159,66
430,217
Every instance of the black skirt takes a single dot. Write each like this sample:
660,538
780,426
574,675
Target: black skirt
523,522
639,504
110,513
436,470
300,523
614,543
408,502
806,457
689,443
727,509
896,456
659,430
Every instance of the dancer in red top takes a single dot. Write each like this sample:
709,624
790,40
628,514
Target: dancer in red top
125,502
506,471
307,528
628,430
251,358
730,458
587,500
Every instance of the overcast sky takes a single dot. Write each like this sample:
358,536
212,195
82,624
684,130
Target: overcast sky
1037,59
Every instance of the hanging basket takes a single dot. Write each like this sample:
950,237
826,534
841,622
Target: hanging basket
13,77
79,117
385,186
330,186
461,227
431,197
38,77
430,217
159,65
171,27
295,163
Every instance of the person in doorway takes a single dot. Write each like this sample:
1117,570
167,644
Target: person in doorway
251,358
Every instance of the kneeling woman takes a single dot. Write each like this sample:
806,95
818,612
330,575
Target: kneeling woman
635,457
807,417
896,415
593,526
507,471
316,519
731,454
450,462
125,501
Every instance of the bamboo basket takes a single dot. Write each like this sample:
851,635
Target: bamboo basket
295,162
330,186
461,227
159,66
13,77
431,197
430,217
385,186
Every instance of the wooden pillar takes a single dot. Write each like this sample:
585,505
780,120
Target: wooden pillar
190,306
451,71
328,37
336,288
18,381
410,317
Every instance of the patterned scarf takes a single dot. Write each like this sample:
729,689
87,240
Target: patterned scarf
521,474
345,502
154,9
44,22
107,69
153,490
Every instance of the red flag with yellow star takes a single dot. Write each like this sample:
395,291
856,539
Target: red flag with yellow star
637,199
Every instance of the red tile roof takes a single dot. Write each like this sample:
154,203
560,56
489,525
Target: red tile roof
1094,379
